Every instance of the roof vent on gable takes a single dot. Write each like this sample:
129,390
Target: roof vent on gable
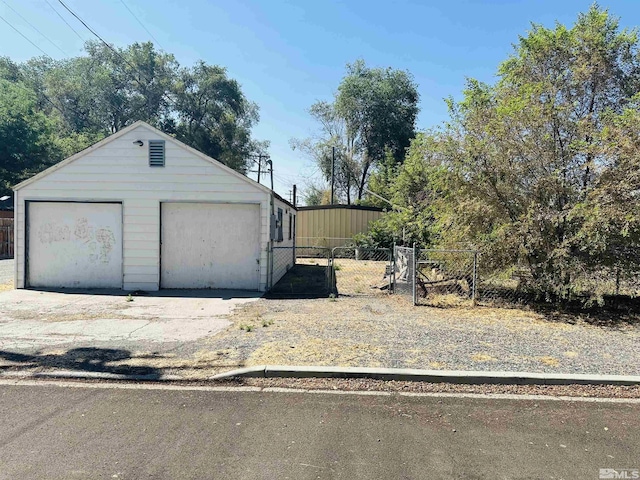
156,153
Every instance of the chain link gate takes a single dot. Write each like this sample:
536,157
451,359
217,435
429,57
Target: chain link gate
436,277
404,271
362,271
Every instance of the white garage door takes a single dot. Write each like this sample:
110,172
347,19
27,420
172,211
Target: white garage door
74,245
207,245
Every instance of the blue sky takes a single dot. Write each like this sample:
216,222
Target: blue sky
289,53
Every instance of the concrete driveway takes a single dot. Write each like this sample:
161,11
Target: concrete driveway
33,321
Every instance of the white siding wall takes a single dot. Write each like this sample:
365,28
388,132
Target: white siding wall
120,171
283,258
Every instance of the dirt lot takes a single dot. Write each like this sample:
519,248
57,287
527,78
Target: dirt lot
386,331
198,335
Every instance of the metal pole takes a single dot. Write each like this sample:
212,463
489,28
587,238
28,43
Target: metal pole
295,194
414,275
259,165
333,171
392,263
271,172
475,277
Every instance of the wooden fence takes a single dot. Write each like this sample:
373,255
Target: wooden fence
6,238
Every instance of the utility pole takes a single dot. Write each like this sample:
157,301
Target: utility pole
333,171
259,165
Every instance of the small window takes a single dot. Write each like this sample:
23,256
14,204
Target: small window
279,225
290,226
156,153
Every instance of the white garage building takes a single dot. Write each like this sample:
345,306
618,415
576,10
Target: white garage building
142,211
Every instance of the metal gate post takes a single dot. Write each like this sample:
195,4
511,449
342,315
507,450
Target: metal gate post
414,276
332,272
475,277
392,264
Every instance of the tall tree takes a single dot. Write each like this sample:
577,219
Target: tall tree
373,114
94,95
214,116
379,107
26,136
108,90
535,170
333,151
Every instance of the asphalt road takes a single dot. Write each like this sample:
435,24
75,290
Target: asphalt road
58,432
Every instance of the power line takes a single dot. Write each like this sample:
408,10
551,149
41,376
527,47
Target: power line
93,31
25,37
42,93
65,21
118,54
48,99
141,24
34,27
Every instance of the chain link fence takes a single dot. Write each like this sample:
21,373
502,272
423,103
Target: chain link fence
514,286
362,271
430,277
446,277
301,272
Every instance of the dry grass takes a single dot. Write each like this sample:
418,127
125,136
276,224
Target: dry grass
549,361
6,286
438,365
356,331
316,351
482,357
358,277
355,277
448,300
388,331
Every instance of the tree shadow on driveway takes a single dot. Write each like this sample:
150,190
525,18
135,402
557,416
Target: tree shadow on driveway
88,359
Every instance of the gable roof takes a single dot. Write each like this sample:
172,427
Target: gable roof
160,134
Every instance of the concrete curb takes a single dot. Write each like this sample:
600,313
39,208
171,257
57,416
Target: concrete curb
432,376
399,374
75,375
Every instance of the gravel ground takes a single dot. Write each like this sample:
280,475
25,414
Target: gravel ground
6,271
377,331
387,332
367,385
